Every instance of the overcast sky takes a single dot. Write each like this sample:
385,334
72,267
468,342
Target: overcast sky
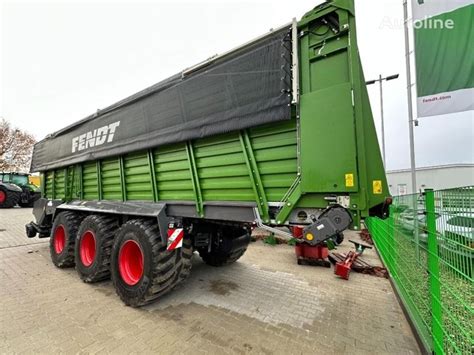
62,60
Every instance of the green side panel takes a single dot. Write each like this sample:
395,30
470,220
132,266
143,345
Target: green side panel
275,149
137,177
59,190
330,71
374,168
222,170
172,173
340,154
48,184
110,172
328,148
89,181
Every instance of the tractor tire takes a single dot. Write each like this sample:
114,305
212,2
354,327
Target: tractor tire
28,204
8,199
227,252
93,247
32,199
142,269
63,237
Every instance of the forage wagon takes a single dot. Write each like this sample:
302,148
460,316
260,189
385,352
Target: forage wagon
277,132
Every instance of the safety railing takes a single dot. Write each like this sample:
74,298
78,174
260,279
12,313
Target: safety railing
427,244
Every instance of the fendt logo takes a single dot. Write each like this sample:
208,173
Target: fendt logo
94,138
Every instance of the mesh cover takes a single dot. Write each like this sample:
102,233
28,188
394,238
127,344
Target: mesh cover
248,87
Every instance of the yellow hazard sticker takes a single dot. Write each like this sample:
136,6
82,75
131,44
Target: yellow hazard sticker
377,187
349,180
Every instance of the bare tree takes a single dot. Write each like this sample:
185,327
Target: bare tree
16,147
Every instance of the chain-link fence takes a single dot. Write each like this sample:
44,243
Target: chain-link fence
427,244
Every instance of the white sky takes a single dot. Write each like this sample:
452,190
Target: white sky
62,60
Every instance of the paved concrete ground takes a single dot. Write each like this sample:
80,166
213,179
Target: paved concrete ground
265,303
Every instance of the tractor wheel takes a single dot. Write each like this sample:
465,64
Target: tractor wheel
228,249
8,199
93,247
142,269
63,237
26,204
31,202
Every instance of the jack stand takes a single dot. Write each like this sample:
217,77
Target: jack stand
316,255
343,268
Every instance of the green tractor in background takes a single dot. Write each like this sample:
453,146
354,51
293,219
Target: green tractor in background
15,188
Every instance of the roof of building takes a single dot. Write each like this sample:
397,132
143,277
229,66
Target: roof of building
433,167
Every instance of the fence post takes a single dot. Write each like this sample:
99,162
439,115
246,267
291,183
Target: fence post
433,269
392,244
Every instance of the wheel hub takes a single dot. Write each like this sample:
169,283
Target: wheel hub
87,248
3,196
59,239
131,262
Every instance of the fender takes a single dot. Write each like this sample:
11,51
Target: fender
11,187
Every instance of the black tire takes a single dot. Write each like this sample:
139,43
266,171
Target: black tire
62,252
229,249
27,204
93,247
9,198
162,270
33,197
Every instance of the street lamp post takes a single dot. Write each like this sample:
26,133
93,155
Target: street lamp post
411,121
370,82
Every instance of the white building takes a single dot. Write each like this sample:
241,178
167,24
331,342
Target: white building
434,177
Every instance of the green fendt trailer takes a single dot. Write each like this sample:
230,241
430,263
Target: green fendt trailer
277,132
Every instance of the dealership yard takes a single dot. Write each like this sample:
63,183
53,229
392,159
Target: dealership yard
264,303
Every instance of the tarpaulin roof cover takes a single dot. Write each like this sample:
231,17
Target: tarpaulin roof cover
246,88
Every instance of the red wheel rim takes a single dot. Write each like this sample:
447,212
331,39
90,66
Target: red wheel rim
131,262
3,196
59,240
87,248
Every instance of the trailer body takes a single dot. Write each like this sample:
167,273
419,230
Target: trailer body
273,133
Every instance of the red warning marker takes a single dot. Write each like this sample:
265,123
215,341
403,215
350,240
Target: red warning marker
175,238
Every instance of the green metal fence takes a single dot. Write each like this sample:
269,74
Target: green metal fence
427,244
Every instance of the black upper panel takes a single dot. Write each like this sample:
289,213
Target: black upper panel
248,87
